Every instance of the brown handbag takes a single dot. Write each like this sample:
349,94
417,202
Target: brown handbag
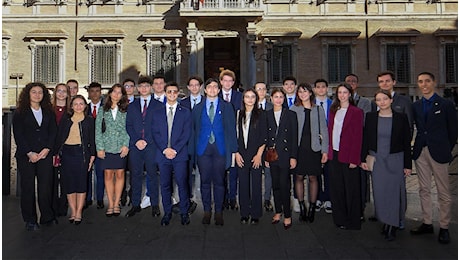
271,154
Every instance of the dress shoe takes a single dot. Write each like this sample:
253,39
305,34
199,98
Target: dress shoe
254,221
192,207
206,218
116,211
444,237
303,212
109,212
184,219
268,206
100,204
244,220
276,219
124,198
166,219
390,234
156,211
287,224
422,229
71,219
175,208
219,219
233,205
32,226
133,211
311,213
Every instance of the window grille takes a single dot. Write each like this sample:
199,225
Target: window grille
46,64
451,51
104,64
281,63
162,65
339,62
398,61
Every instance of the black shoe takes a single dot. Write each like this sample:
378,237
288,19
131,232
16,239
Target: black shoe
254,221
233,205
184,219
175,208
133,211
244,220
422,229
303,212
166,219
100,204
206,218
32,226
444,237
192,207
390,233
219,218
50,223
156,211
124,198
77,221
384,229
268,206
226,204
311,212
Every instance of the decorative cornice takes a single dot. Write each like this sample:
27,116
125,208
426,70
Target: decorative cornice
338,32
160,33
395,32
43,34
280,32
446,31
104,34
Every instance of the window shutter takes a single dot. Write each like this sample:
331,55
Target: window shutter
398,61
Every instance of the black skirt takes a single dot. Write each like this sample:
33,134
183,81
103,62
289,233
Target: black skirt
74,169
113,161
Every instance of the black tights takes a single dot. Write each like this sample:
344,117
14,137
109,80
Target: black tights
312,188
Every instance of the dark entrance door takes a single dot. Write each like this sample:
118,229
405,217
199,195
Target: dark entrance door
220,54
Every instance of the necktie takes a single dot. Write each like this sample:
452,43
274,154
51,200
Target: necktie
226,97
94,112
290,102
325,113
260,106
144,109
211,114
170,124
194,103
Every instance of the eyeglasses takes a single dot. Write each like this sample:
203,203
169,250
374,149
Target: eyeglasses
129,86
260,89
172,91
61,91
249,96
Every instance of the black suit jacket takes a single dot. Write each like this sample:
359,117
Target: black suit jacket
87,133
286,139
187,103
29,136
257,137
401,104
439,132
400,136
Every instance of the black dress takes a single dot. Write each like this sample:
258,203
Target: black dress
308,162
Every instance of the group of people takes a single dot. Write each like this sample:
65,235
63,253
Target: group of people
239,142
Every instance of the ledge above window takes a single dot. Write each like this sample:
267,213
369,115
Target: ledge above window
395,32
160,33
338,32
101,34
446,31
44,34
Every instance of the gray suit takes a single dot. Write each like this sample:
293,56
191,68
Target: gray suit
363,103
315,145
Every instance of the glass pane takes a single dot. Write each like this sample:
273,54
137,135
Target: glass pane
451,63
281,63
339,62
398,61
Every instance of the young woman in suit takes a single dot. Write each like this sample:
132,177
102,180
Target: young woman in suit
75,144
282,135
387,138
112,145
34,128
313,142
252,136
345,128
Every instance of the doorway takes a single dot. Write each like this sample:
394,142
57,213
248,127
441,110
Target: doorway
220,54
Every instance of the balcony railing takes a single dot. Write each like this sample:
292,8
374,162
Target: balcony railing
216,5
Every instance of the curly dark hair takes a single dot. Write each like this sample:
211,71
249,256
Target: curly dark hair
122,104
24,98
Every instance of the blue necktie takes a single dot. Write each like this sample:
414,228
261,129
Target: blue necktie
211,114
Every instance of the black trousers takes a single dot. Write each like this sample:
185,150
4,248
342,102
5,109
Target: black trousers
43,171
345,188
250,191
59,195
281,184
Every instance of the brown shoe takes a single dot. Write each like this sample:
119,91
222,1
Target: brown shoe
206,218
219,218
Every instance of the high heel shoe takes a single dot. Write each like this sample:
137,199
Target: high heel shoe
71,219
77,221
303,212
287,225
276,220
116,211
109,212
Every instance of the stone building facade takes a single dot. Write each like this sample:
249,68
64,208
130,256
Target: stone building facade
261,40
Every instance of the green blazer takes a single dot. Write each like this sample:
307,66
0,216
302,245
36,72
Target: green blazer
115,135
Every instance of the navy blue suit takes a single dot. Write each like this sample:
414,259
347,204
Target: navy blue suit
232,180
209,157
187,102
438,132
180,134
136,126
98,169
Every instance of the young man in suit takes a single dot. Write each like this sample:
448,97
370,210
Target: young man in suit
324,199
212,143
365,105
96,101
171,129
142,148
436,120
227,80
159,83
289,87
265,104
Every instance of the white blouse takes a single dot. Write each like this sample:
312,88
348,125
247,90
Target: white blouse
337,128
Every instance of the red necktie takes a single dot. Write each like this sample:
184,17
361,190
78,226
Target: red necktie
144,110
94,112
226,97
